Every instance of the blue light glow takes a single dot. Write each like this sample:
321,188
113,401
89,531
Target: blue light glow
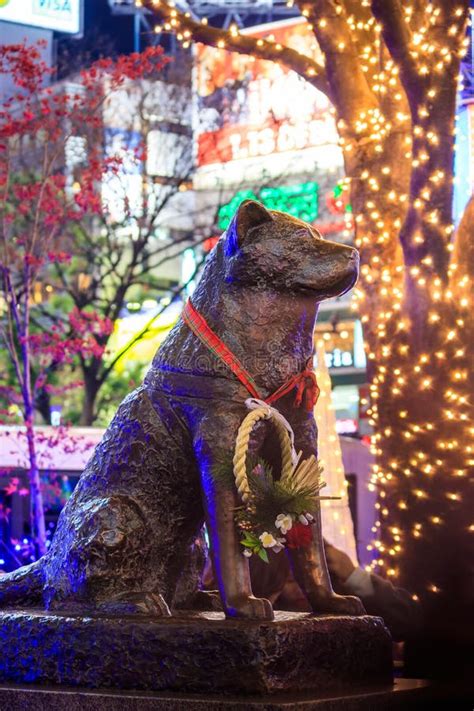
232,242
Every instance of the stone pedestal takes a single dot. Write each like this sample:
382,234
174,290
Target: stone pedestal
195,652
404,695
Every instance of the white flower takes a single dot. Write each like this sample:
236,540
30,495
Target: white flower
247,553
284,522
303,519
277,548
309,517
267,540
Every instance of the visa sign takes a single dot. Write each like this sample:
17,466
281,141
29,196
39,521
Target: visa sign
57,15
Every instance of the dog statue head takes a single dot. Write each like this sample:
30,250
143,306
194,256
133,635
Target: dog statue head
276,251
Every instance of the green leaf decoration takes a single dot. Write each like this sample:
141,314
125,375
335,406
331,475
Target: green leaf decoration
299,492
250,540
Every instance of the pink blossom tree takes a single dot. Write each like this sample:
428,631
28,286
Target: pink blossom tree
39,207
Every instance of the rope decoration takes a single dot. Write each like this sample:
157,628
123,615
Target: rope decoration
261,411
305,473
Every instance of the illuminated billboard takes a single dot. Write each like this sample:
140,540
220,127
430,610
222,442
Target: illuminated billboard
251,108
301,201
57,15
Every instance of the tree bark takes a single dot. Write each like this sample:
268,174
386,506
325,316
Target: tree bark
91,389
37,522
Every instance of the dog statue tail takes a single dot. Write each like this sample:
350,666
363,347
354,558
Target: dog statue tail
22,587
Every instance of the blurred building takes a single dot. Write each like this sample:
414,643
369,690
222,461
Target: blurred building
153,117
153,193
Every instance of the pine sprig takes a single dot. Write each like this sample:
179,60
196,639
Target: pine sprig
269,500
223,470
270,497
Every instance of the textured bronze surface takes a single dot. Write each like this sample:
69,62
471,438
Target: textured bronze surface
203,653
123,539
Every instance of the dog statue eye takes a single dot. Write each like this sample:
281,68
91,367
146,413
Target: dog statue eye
303,232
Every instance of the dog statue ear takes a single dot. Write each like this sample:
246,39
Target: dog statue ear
249,215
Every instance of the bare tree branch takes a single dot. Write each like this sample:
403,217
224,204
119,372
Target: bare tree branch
330,26
186,27
146,328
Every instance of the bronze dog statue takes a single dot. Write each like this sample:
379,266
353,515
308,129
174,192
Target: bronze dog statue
123,537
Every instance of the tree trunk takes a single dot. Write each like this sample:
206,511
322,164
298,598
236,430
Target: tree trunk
425,499
91,389
413,304
37,523
418,330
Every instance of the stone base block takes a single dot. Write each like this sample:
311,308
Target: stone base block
195,652
404,695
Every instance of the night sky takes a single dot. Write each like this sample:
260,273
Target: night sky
105,34
98,17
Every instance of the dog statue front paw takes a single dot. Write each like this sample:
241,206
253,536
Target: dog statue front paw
339,605
249,608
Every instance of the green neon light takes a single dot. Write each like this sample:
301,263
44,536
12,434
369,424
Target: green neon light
338,191
301,201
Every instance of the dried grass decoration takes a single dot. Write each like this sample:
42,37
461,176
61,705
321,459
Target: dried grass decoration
276,513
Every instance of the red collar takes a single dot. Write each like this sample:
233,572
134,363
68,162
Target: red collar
305,382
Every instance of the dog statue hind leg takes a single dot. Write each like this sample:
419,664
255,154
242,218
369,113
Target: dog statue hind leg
309,561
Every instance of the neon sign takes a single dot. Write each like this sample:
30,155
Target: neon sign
338,358
300,200
249,108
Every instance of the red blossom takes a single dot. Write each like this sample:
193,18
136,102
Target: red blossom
12,486
90,322
299,536
59,257
33,261
41,205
